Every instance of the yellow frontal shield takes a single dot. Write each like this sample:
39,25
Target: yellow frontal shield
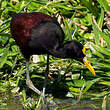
84,50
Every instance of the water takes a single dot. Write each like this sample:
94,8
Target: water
10,101
71,104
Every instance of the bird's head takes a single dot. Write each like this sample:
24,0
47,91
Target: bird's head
77,51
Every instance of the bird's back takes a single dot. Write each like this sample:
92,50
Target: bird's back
22,25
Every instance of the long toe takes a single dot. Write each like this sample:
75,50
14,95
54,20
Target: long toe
31,86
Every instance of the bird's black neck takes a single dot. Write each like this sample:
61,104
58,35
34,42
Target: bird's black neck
62,51
59,53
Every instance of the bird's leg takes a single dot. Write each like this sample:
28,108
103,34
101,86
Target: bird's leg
29,82
46,77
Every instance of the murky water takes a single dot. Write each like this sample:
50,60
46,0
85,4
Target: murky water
71,104
8,101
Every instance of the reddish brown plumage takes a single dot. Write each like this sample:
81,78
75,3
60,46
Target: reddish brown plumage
38,33
21,25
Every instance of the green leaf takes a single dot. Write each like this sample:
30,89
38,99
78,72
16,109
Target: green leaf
60,5
102,50
9,63
72,89
77,83
101,94
90,83
3,4
103,35
104,4
101,18
105,83
12,6
3,58
5,34
37,76
104,65
24,96
96,37
67,31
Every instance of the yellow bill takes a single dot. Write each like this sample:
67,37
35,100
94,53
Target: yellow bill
88,65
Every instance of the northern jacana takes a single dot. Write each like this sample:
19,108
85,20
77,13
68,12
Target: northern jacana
38,33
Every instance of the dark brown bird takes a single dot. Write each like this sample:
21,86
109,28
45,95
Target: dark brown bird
38,33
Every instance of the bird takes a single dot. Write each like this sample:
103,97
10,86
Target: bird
39,33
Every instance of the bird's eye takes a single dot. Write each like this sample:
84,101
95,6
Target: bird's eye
84,50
